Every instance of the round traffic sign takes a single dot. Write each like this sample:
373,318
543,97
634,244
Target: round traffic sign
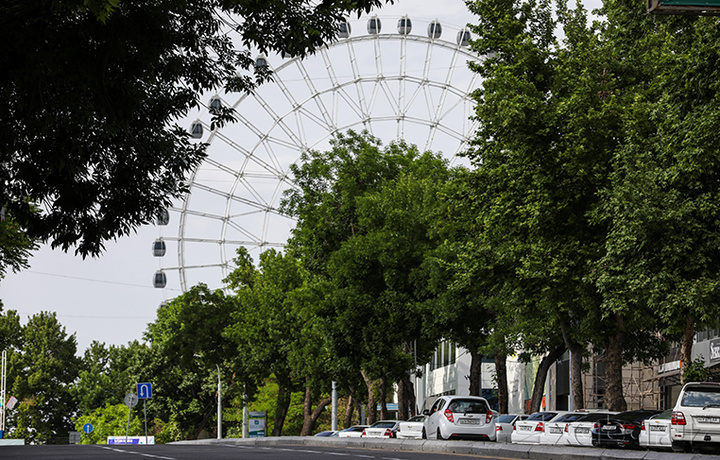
87,428
131,400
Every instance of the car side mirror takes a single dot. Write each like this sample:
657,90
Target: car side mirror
426,412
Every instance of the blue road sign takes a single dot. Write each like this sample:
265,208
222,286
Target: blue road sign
87,428
144,390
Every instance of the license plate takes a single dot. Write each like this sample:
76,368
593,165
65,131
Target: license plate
657,428
525,428
708,419
608,428
582,430
469,421
555,430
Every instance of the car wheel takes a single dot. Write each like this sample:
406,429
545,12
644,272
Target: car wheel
680,446
439,435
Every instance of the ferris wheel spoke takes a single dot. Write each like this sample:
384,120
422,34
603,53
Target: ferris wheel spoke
395,85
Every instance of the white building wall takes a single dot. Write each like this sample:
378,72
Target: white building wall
454,379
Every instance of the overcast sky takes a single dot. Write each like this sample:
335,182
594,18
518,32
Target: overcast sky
111,298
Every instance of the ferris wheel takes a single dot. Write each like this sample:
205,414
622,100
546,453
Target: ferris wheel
403,84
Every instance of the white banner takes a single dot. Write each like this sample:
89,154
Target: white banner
11,402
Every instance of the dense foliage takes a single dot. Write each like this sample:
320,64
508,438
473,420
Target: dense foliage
91,92
590,221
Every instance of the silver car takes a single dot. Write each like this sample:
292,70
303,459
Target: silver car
460,417
414,428
505,424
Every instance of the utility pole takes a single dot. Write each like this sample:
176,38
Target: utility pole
3,391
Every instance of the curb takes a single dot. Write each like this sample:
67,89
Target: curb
487,449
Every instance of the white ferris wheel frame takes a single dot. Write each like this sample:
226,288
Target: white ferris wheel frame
352,91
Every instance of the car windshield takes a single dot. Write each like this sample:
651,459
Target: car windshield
635,415
541,416
666,414
569,417
701,397
468,406
417,418
594,417
383,425
507,418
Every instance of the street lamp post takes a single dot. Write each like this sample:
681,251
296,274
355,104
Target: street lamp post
219,413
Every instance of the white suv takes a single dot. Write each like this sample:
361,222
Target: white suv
460,417
696,417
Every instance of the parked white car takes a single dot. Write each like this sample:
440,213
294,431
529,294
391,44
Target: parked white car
354,431
460,417
579,432
555,430
504,425
382,429
528,431
655,432
414,428
696,416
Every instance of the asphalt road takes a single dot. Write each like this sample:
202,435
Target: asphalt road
314,448
215,452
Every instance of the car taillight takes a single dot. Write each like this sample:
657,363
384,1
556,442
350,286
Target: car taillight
363,433
514,427
566,427
488,417
678,418
449,415
540,427
628,426
388,433
642,427
498,428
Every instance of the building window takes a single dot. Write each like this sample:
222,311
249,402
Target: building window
445,355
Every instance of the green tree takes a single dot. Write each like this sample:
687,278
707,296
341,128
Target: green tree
186,347
664,243
109,420
41,375
551,112
91,93
363,227
15,245
104,377
277,333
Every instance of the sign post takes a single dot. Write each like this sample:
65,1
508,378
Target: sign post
87,429
131,401
144,391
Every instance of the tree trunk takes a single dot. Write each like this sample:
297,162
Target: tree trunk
411,396
501,374
576,359
614,398
475,376
406,398
311,415
281,409
576,352
402,401
541,377
349,411
686,348
372,400
383,402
